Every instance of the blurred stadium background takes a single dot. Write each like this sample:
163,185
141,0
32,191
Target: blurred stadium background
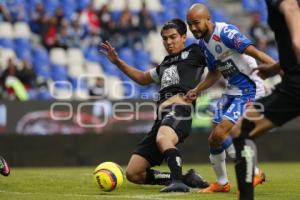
57,90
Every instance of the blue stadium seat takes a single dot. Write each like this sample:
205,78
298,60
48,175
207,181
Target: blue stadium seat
42,70
81,4
44,95
108,67
40,56
91,54
168,14
59,72
6,43
142,59
219,15
127,55
30,5
250,5
156,17
78,84
116,14
190,41
69,7
51,6
22,48
262,10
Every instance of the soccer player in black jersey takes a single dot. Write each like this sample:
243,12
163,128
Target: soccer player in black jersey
179,72
283,104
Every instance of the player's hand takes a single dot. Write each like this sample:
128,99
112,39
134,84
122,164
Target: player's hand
191,96
266,70
107,49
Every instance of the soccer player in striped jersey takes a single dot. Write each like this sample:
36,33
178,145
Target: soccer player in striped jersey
231,54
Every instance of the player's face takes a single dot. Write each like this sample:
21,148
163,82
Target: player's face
198,26
173,41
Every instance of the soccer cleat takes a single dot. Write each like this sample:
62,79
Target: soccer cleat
259,178
4,168
176,186
216,187
193,180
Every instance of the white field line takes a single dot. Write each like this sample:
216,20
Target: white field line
143,197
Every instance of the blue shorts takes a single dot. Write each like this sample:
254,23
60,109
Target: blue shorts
231,107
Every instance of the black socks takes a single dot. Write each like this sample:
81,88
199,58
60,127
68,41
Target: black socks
173,159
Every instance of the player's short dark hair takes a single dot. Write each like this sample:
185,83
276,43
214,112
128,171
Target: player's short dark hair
177,24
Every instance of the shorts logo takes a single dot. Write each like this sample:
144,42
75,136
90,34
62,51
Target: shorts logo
236,115
170,114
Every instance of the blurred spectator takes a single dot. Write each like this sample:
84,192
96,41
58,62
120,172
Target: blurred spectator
27,75
17,10
262,36
260,33
9,79
77,32
128,34
92,40
11,70
38,19
64,37
50,35
4,14
108,26
89,17
98,89
60,19
146,23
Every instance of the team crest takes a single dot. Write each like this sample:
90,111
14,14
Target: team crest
218,48
184,54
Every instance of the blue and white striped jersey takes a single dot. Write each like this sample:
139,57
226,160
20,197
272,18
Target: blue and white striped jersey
224,52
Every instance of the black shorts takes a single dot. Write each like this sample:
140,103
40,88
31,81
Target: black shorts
279,107
178,117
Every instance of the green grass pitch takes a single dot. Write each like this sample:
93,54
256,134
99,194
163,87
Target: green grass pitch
283,183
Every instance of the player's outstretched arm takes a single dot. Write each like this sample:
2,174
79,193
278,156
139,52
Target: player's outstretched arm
140,77
268,70
291,11
209,80
259,55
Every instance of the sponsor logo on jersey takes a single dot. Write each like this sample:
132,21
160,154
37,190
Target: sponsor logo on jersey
218,48
216,38
237,42
170,77
230,32
227,68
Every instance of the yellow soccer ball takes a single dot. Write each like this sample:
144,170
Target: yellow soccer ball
108,176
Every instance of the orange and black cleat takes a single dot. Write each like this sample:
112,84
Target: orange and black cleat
216,187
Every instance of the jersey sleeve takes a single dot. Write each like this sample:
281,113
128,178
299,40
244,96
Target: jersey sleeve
276,3
154,73
199,55
234,39
209,58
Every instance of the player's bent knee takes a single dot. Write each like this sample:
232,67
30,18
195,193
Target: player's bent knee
134,177
160,139
217,138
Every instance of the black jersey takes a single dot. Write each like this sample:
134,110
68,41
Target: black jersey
179,73
287,57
